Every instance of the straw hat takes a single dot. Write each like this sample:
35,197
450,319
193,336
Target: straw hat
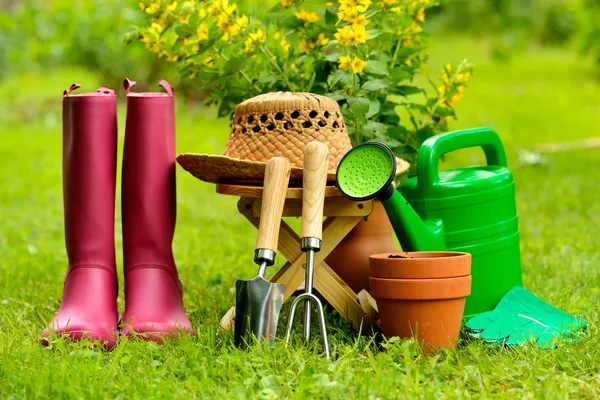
275,125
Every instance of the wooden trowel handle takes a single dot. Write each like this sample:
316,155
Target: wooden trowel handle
316,156
277,177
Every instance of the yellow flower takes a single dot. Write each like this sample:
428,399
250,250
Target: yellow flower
172,7
283,42
184,18
350,37
413,28
223,21
357,65
188,4
155,29
153,8
363,5
172,58
345,62
347,14
229,9
305,46
209,62
285,3
310,17
142,5
214,9
322,40
359,22
420,15
202,12
361,34
242,21
345,36
202,32
255,37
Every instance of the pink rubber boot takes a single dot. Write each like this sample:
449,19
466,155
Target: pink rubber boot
153,293
89,305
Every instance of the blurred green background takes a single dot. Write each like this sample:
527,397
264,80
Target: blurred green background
536,80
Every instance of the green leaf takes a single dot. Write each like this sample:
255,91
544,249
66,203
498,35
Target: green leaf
268,80
337,96
234,64
375,84
330,18
406,90
333,56
359,106
341,76
399,74
374,129
445,111
374,107
376,68
183,30
373,33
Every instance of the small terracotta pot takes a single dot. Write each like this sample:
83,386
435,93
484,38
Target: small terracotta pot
350,259
421,295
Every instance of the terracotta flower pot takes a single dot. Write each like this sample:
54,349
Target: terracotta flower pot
421,295
350,259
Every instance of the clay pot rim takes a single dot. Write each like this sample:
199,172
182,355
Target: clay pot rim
420,289
420,265
420,255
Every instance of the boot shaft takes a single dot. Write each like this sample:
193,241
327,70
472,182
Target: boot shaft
148,181
89,176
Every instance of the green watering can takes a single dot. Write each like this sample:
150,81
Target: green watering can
468,209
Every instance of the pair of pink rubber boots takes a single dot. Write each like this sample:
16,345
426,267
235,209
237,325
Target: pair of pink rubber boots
153,293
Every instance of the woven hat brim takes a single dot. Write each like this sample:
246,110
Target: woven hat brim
214,168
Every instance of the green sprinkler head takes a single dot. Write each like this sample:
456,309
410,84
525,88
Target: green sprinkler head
366,172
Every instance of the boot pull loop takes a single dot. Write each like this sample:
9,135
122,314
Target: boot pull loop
164,84
128,84
74,86
104,90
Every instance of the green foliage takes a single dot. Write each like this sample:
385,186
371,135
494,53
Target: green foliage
367,56
590,30
37,35
512,24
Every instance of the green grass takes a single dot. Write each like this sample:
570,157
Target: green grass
541,96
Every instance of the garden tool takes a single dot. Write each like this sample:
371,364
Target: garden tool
89,303
258,301
468,209
153,292
316,156
520,317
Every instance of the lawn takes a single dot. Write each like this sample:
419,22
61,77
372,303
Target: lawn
541,96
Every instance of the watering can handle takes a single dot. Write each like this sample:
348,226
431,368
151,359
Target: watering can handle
436,146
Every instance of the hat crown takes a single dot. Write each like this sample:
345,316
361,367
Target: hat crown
280,124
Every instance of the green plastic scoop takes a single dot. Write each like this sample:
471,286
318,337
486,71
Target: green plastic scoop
521,317
366,172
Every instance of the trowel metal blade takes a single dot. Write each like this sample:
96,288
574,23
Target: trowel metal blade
257,306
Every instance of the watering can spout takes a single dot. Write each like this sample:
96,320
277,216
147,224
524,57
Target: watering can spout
413,233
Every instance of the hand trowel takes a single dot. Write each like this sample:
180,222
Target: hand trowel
258,301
